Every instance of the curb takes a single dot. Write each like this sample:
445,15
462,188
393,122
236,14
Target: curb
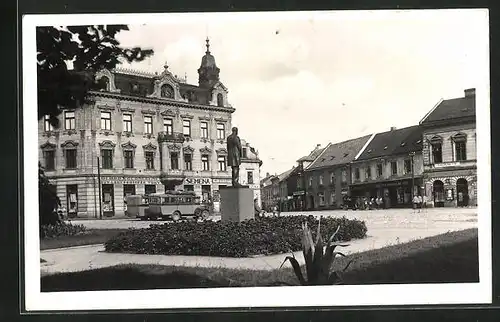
69,248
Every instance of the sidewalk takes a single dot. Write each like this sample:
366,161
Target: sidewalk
93,256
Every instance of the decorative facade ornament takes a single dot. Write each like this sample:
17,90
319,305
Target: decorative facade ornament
148,112
110,77
107,144
188,150
69,144
149,147
174,147
48,146
106,107
187,116
436,139
168,113
129,146
205,150
222,151
127,110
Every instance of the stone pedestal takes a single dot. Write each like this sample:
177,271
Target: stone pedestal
236,204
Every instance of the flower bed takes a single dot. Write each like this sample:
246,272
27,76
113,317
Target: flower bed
61,229
263,236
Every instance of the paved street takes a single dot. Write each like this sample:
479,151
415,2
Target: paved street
438,218
385,227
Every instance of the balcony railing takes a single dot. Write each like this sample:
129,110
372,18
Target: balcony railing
175,137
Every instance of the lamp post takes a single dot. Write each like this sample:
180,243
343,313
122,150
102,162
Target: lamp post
412,154
99,185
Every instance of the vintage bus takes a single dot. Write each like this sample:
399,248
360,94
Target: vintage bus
176,205
136,205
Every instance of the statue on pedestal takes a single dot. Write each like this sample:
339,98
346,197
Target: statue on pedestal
234,156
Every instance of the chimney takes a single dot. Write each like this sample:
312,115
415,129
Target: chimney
393,128
267,174
471,92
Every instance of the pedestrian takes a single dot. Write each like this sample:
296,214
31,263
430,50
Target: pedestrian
419,202
424,202
415,202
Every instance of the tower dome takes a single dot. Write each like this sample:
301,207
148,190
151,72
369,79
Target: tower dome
208,72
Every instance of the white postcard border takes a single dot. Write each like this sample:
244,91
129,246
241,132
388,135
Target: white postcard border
359,295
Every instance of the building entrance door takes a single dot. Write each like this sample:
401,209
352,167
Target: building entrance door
462,193
108,200
438,193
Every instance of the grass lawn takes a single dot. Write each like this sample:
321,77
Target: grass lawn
447,258
91,236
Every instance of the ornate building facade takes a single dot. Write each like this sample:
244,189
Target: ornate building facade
145,133
449,152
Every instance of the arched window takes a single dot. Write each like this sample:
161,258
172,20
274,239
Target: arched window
220,100
167,91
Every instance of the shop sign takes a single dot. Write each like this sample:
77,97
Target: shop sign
298,193
203,181
129,180
223,181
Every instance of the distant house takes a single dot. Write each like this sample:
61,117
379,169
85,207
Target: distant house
296,181
328,176
449,151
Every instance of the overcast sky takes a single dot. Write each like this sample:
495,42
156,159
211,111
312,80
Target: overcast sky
317,78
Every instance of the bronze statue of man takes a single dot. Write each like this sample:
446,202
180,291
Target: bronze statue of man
234,156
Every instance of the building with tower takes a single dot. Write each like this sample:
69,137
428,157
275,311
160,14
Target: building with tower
144,133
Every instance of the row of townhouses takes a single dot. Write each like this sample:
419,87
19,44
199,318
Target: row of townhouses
144,133
436,159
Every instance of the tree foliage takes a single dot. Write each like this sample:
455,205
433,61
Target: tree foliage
90,49
48,199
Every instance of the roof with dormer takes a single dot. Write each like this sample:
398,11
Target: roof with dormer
139,83
450,109
339,153
394,142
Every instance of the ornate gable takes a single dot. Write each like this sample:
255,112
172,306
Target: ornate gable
188,150
107,145
70,144
219,86
149,147
166,86
110,79
129,146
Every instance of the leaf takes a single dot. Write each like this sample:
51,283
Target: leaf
349,263
296,269
315,271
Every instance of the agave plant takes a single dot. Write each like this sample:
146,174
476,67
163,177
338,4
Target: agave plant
318,258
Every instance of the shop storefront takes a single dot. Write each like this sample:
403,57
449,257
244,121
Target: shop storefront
299,200
395,194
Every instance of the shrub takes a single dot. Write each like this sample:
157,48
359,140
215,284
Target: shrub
61,229
261,236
